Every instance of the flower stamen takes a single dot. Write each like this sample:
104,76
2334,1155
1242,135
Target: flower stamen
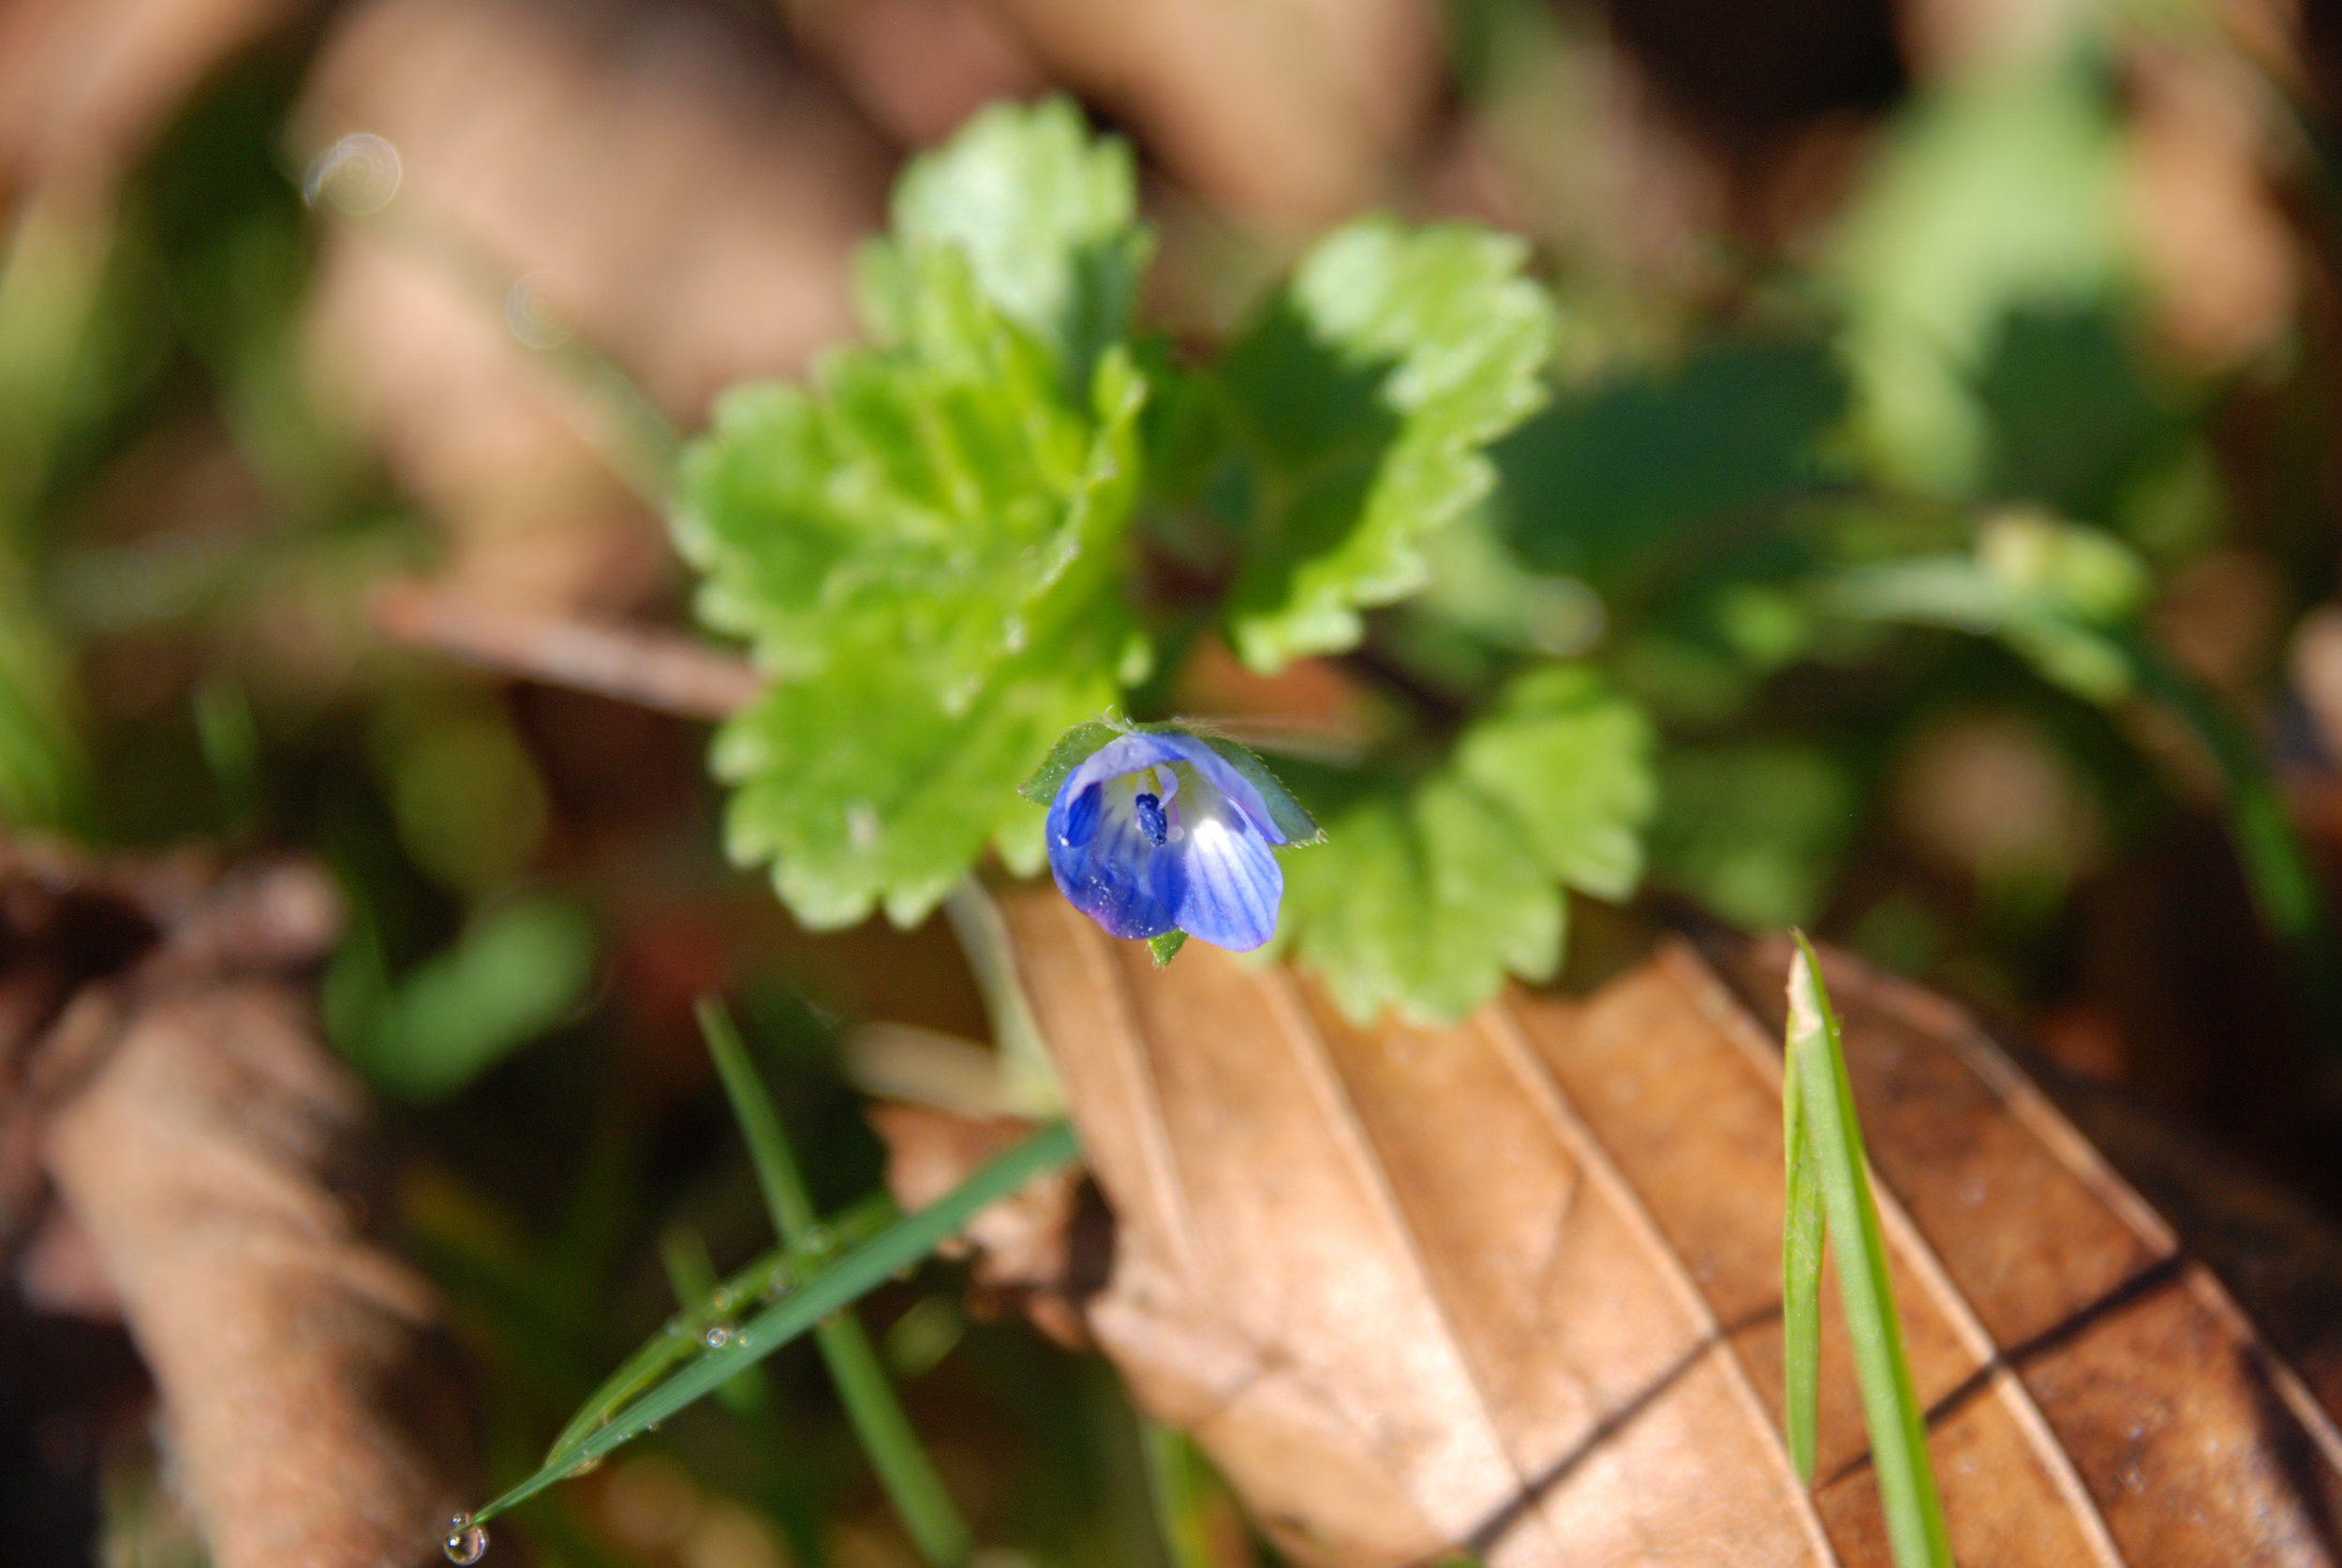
1150,819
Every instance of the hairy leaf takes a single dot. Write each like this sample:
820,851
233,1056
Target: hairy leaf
1043,212
1359,408
921,548
1424,897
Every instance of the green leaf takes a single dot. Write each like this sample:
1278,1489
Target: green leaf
1571,759
1824,1104
1044,212
1359,406
1754,832
2063,598
1422,899
1647,465
511,976
1998,194
1425,895
922,552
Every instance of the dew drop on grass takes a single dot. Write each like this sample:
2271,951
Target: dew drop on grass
466,1542
718,1337
818,1240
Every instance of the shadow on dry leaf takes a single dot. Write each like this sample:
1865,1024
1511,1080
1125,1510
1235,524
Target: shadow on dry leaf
1514,1286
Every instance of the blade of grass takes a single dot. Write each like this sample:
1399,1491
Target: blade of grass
693,1274
852,1276
685,1334
2277,866
1802,1227
1175,1482
1898,1428
1026,1071
909,1477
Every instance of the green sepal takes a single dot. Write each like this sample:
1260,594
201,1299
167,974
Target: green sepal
1073,748
1167,947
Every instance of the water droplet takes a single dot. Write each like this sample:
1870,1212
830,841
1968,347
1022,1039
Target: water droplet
357,174
780,1284
466,1542
862,825
1014,635
585,1466
818,1240
724,1300
532,317
718,1337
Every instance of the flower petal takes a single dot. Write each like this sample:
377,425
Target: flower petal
1232,884
1104,865
1146,749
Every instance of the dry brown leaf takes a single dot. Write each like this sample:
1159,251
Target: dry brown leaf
2205,154
1290,112
666,181
1514,1286
197,1165
84,83
917,68
1044,1250
310,1404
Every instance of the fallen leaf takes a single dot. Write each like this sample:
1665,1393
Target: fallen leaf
1046,1251
1344,90
85,84
1513,1287
179,1149
310,1404
668,187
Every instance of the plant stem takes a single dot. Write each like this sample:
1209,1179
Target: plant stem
2277,868
1175,1482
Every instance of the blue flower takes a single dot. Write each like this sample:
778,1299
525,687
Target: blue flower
1157,831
